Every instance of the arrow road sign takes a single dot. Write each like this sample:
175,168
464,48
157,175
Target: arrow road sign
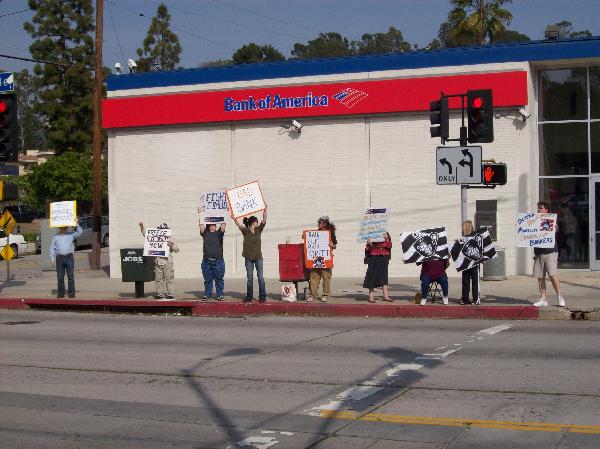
7,82
458,165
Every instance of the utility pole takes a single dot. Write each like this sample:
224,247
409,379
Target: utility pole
97,142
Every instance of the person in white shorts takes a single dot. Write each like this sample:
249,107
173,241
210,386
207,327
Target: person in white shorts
545,261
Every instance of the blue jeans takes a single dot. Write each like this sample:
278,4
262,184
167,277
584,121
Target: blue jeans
213,270
65,263
426,282
262,292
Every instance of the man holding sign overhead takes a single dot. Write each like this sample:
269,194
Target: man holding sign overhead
61,256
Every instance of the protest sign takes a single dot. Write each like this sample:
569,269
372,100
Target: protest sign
63,213
213,207
373,225
317,249
245,200
425,244
473,250
536,230
156,242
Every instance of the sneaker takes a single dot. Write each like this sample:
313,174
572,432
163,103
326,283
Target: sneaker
170,297
477,303
561,301
541,303
464,302
324,299
72,295
205,298
309,299
445,300
423,301
158,296
220,298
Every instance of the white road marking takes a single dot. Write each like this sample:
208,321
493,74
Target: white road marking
258,442
495,329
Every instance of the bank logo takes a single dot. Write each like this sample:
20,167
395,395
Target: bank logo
350,97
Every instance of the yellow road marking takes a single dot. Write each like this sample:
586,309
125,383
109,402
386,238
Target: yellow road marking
461,422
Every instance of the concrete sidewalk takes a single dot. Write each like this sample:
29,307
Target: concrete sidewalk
510,298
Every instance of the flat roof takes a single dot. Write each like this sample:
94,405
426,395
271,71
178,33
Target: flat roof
546,50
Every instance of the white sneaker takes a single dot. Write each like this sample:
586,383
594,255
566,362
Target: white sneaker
561,301
541,303
445,300
423,301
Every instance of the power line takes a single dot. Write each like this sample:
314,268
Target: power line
116,33
249,11
197,36
15,12
39,61
241,25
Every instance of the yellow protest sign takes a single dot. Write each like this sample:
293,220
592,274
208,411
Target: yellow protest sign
7,253
7,222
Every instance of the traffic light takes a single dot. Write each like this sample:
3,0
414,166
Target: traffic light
480,116
9,130
439,116
8,191
493,173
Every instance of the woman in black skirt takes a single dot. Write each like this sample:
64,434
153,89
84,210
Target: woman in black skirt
377,258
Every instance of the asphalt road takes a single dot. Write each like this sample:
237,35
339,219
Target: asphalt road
120,381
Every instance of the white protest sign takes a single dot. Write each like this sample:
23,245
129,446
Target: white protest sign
373,224
213,207
245,200
156,242
536,230
317,249
63,213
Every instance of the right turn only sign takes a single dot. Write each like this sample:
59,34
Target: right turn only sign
458,165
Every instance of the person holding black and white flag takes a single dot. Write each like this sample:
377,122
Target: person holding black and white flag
470,276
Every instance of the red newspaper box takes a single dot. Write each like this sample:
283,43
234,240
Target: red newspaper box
291,262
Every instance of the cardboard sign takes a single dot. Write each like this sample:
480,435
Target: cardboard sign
245,200
424,244
63,213
473,250
373,225
213,207
156,242
318,249
536,230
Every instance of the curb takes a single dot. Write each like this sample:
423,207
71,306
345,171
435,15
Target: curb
235,309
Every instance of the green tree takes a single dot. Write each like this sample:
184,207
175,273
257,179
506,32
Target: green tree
510,36
252,52
216,63
565,31
33,135
378,43
325,45
475,22
64,177
61,32
161,47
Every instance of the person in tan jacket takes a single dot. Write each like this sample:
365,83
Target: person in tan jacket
163,269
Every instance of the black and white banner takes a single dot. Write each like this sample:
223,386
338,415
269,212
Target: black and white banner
425,244
473,250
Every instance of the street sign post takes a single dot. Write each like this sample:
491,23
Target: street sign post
7,82
458,165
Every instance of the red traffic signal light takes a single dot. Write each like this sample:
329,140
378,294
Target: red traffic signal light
494,173
9,132
440,117
480,116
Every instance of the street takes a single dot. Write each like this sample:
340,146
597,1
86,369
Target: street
72,380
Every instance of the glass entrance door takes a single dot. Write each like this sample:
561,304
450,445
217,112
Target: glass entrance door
595,222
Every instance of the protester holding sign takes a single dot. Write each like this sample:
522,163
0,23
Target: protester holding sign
213,265
252,230
471,275
61,256
545,261
163,267
377,258
316,274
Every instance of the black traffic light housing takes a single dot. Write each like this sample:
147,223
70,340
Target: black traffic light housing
480,116
440,117
493,173
8,191
9,129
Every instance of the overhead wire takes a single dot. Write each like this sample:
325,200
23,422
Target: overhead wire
116,33
15,12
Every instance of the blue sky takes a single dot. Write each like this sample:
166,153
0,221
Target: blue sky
213,29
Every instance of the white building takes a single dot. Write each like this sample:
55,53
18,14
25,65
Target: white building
364,142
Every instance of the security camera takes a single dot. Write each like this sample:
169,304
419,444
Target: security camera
297,125
118,69
524,114
131,64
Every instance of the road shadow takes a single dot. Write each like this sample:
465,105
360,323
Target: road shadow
504,300
11,283
574,284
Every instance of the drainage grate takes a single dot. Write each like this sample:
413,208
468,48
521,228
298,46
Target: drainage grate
13,323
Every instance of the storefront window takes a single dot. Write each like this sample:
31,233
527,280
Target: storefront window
595,92
563,94
595,148
563,149
569,198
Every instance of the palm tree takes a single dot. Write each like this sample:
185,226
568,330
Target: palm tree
477,21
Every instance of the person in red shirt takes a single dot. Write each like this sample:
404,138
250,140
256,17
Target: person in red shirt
434,270
377,258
